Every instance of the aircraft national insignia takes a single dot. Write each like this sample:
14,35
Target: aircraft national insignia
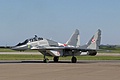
93,40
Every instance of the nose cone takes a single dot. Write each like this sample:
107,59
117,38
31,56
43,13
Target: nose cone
20,48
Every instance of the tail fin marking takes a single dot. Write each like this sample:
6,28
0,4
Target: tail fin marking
94,42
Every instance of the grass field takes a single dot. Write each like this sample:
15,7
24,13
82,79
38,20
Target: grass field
40,57
109,50
6,50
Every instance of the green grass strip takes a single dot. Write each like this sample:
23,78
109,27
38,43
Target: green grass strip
40,57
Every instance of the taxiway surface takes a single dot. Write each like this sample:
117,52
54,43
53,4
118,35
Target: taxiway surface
64,70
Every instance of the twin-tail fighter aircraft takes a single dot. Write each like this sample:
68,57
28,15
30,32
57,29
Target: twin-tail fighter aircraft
71,48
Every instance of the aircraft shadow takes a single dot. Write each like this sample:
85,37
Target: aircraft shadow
18,61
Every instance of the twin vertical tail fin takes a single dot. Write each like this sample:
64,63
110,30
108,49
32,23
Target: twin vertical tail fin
74,39
94,42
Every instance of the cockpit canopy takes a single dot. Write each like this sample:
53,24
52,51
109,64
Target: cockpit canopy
30,40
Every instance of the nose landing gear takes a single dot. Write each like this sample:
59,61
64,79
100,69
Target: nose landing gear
46,60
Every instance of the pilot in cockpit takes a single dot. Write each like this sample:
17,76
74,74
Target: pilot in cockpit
36,38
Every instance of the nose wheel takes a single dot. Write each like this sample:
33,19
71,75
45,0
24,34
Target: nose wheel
74,59
46,60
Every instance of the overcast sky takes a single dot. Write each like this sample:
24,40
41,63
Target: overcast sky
57,19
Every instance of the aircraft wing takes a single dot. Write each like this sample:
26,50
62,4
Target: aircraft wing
60,48
55,50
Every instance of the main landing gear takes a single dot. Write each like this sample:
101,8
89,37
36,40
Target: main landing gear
74,59
56,59
46,60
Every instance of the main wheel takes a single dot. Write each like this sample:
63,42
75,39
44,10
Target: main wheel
46,60
74,59
56,59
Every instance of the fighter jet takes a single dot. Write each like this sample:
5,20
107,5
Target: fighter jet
71,48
